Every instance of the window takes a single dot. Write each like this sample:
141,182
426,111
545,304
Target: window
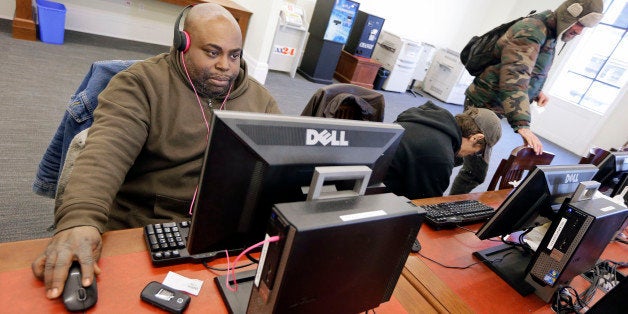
598,69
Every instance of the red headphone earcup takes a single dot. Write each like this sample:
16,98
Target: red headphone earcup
186,43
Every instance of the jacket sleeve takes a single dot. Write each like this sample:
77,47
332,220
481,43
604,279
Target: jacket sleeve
541,68
518,58
115,139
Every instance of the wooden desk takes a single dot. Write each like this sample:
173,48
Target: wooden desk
24,27
481,289
356,70
126,269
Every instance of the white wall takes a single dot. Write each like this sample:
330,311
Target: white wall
141,20
7,9
260,34
442,23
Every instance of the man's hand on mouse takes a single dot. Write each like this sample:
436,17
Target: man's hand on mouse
83,244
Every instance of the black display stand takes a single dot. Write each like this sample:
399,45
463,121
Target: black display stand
320,59
510,263
236,301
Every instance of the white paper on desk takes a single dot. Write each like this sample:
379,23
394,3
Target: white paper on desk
534,237
176,281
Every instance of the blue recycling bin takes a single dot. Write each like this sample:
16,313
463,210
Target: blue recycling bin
51,21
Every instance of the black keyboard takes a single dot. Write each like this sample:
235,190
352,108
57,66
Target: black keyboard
458,213
166,242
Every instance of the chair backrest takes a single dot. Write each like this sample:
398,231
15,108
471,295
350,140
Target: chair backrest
78,118
346,101
595,156
521,159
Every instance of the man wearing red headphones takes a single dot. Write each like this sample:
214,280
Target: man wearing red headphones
144,152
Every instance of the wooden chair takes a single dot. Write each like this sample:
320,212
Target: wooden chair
521,158
595,156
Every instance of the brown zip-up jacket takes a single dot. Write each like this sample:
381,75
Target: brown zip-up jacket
144,152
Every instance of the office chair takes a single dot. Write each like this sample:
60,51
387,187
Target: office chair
521,158
346,101
69,139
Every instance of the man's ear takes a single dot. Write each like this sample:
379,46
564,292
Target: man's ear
476,137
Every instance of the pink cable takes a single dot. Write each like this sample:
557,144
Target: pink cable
193,199
198,99
235,262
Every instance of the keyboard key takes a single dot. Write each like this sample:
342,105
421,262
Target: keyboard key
150,229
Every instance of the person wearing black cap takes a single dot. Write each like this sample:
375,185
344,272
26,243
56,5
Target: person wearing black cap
526,52
433,137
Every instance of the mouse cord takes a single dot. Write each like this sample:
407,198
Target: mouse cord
497,260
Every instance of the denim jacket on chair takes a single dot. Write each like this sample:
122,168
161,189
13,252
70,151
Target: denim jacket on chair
77,117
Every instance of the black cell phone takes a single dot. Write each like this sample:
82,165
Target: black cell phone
165,298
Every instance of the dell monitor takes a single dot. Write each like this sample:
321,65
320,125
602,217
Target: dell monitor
256,160
532,203
613,173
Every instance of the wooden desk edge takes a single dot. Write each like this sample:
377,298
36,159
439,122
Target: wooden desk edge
431,288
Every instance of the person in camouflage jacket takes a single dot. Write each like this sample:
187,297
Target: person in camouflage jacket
526,52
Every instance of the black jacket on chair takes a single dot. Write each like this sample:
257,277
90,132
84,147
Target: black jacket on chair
331,101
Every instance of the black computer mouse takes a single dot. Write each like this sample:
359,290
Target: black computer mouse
75,296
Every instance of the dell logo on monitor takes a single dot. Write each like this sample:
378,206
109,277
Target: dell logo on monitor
324,137
571,178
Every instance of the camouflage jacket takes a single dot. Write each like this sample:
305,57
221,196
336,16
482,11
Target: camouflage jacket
526,52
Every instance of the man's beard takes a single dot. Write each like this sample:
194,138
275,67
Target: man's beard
200,77
205,89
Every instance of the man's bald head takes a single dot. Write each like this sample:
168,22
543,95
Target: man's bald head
215,49
204,14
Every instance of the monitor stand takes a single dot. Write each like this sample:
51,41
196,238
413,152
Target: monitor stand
236,301
510,263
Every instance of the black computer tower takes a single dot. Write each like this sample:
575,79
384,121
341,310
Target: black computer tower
364,34
573,243
340,255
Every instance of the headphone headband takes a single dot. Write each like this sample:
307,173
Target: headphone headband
181,39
